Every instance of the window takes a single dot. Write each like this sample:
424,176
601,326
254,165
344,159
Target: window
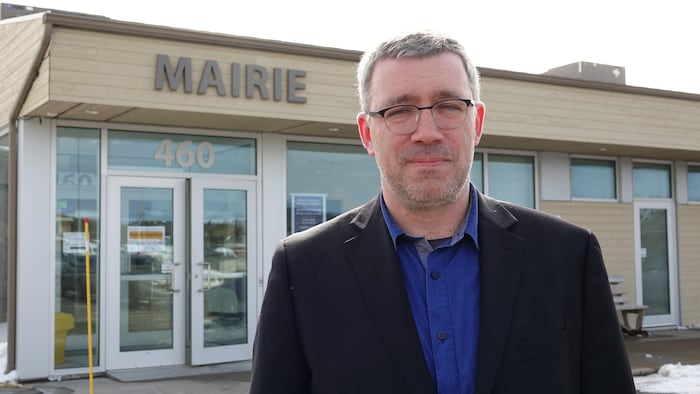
694,183
507,177
140,151
77,198
477,174
652,180
325,180
593,178
511,178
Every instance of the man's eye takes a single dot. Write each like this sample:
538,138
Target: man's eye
399,112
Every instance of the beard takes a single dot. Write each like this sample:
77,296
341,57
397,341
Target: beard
426,189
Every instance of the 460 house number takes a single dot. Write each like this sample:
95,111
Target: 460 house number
186,153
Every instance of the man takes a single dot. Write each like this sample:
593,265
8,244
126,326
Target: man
433,287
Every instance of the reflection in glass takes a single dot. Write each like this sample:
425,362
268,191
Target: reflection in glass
346,174
652,180
142,151
694,183
593,178
512,178
77,198
146,291
225,267
655,275
477,173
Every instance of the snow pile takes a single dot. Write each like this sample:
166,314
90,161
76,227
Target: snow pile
671,378
10,377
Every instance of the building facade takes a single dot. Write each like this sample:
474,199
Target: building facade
155,169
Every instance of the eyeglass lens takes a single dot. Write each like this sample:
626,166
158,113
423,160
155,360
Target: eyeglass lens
447,114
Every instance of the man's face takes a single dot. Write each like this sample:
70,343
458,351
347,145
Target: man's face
428,169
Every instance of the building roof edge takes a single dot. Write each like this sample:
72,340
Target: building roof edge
580,83
103,24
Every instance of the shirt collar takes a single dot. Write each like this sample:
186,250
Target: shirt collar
469,226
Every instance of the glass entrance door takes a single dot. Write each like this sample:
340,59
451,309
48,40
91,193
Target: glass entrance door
223,270
146,284
656,261
181,270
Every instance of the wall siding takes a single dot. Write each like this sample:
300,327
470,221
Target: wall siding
536,110
19,43
118,70
689,262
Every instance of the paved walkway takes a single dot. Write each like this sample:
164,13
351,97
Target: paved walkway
663,347
646,356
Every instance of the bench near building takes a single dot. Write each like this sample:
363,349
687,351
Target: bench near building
191,154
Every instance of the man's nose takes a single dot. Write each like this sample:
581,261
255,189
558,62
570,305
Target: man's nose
427,131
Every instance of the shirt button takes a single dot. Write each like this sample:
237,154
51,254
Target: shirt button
442,335
435,275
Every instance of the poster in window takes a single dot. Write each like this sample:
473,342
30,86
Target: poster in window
74,243
308,210
145,239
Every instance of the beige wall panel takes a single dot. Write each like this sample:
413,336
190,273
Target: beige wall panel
689,263
39,93
120,70
533,110
19,44
613,225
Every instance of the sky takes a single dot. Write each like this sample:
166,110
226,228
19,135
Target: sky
655,41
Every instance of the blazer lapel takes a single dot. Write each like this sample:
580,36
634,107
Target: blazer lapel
378,273
500,260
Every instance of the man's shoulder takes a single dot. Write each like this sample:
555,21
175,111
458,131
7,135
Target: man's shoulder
342,225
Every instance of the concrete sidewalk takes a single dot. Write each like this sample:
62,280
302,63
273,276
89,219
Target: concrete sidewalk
663,347
646,356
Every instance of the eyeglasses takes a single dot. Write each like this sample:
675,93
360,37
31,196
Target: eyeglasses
403,119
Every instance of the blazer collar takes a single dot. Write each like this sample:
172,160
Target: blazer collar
500,260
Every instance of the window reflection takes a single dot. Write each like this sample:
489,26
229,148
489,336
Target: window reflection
77,198
652,180
345,174
225,267
593,178
512,178
694,183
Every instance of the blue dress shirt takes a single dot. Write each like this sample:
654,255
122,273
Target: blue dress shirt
443,290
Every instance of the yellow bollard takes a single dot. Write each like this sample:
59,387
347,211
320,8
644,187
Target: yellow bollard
89,307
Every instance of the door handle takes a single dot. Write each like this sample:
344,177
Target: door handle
172,279
208,269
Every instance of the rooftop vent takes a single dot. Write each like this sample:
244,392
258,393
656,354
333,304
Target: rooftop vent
590,72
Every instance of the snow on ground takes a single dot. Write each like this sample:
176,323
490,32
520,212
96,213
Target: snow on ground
671,378
10,377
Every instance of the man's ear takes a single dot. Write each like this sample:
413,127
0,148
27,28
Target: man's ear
479,122
365,134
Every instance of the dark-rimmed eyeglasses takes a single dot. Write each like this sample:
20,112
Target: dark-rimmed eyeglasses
403,119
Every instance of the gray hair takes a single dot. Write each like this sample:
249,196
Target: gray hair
418,45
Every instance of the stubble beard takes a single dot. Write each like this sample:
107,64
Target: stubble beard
429,190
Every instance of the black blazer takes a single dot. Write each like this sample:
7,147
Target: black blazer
336,317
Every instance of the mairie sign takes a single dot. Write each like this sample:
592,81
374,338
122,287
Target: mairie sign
247,79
